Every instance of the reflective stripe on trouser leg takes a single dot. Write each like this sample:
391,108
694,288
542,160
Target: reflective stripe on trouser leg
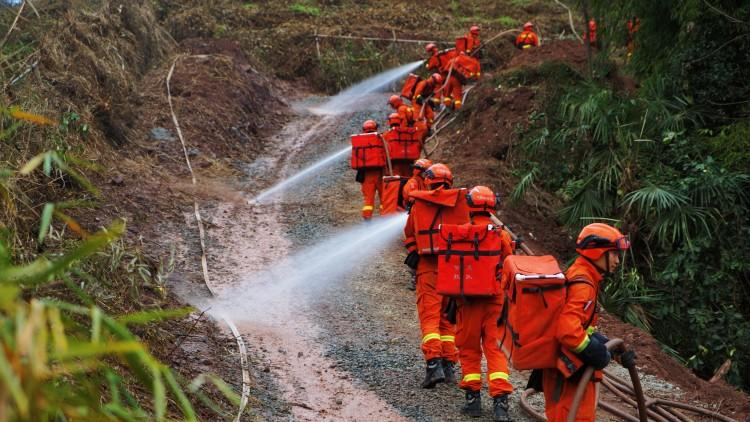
447,335
468,340
429,310
471,382
497,362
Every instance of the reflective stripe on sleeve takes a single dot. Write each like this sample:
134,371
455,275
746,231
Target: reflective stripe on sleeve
583,345
448,338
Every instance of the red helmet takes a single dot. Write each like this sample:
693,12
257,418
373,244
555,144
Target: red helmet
394,119
370,126
422,164
474,30
430,47
528,25
481,198
395,101
597,238
438,173
437,78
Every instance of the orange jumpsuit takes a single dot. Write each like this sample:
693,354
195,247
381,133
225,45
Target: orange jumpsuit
453,93
415,183
477,332
440,62
527,39
579,309
427,90
406,113
438,334
373,183
634,24
472,43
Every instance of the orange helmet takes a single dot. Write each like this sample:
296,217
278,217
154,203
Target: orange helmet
370,126
438,173
395,101
528,25
474,30
431,47
481,198
437,78
422,164
394,119
597,238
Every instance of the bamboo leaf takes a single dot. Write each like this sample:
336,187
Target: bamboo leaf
182,400
13,384
146,317
47,167
96,324
89,350
32,164
159,392
46,221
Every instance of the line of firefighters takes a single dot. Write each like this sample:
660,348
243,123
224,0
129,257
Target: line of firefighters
475,297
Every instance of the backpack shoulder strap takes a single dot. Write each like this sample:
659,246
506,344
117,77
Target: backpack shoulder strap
581,280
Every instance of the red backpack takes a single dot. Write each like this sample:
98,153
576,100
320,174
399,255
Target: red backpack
410,85
535,291
367,151
404,144
468,260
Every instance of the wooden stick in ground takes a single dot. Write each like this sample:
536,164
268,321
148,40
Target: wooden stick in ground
13,25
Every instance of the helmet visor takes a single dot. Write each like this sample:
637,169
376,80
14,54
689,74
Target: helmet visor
623,243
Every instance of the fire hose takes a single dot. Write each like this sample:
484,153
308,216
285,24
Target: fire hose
649,409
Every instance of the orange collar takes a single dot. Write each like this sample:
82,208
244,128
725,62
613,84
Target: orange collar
584,265
439,196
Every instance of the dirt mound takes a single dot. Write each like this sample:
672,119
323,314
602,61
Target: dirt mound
225,107
571,52
94,59
653,360
480,150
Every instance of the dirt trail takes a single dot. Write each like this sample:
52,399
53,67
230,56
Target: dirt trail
246,239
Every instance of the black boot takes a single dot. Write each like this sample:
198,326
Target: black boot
413,283
449,369
434,373
500,409
473,405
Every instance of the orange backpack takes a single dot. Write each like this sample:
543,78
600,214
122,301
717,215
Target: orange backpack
410,85
367,151
404,144
469,257
466,68
535,291
433,208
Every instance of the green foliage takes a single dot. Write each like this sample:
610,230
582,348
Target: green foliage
507,21
305,8
520,3
678,185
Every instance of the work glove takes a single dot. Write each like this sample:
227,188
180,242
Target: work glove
601,337
360,177
412,260
450,310
419,100
595,354
627,358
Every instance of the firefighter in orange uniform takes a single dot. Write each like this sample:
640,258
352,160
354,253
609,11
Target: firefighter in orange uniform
527,38
427,95
416,182
472,40
370,178
593,40
453,93
476,326
440,204
439,61
599,247
405,112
